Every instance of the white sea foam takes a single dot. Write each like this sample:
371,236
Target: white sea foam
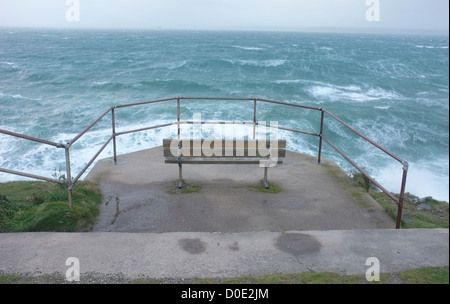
173,65
393,69
19,96
421,181
101,83
352,93
431,47
46,159
384,134
288,81
248,48
260,63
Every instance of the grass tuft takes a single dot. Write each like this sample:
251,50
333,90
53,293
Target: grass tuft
426,275
417,212
413,216
272,188
187,188
42,206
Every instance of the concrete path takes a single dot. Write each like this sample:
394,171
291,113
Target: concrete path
207,255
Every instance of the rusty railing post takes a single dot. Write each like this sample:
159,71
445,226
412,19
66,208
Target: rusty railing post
68,176
254,118
402,196
113,119
320,136
178,117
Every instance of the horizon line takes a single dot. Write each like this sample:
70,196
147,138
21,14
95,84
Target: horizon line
350,30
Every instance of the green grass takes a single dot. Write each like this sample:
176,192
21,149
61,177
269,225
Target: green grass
41,206
272,188
436,217
187,188
298,278
425,275
412,217
11,279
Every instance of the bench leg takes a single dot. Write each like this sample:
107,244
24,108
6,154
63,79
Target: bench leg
266,184
180,177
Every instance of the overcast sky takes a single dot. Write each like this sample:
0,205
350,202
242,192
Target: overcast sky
228,14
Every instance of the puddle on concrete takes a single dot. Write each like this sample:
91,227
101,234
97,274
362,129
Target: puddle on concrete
297,243
192,246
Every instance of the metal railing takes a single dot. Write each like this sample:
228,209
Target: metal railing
69,181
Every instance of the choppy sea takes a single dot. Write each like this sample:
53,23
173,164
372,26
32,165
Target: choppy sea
392,88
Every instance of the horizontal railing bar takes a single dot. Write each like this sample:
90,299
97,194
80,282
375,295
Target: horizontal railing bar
31,175
92,159
366,138
288,129
362,171
39,140
290,104
143,103
219,98
146,128
88,127
216,122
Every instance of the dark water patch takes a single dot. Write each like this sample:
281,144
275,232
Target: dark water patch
192,246
298,244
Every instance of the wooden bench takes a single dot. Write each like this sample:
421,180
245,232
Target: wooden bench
265,153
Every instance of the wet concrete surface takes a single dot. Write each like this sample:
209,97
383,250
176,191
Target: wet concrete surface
221,255
140,195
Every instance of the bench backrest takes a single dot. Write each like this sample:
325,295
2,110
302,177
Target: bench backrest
224,148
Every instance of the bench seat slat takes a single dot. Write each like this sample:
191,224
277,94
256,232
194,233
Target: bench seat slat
226,143
218,161
227,153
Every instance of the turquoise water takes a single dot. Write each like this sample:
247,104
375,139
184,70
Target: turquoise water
394,89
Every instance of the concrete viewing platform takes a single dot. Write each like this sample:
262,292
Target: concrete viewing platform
224,225
140,195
